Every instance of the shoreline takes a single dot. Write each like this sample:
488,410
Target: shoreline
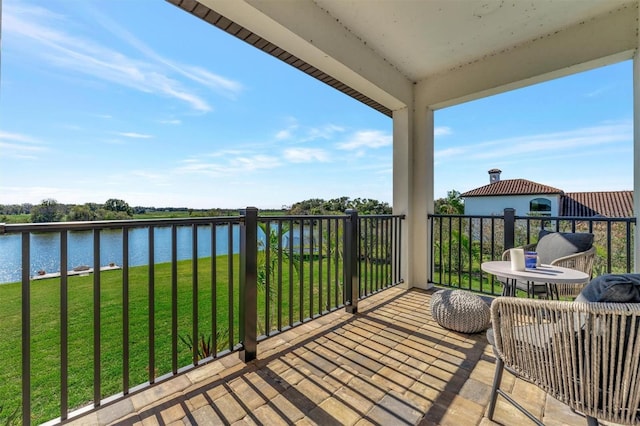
75,272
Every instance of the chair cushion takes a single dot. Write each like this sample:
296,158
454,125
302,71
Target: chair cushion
554,245
617,288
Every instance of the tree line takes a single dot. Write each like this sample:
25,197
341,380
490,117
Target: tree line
49,210
451,204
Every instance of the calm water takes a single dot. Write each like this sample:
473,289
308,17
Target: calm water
45,248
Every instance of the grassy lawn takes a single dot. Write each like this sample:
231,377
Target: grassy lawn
45,332
15,218
45,327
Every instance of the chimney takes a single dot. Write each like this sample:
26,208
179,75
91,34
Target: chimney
494,175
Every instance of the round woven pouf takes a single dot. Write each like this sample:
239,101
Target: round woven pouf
460,311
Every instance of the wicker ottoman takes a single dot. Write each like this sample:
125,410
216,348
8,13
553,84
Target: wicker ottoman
460,311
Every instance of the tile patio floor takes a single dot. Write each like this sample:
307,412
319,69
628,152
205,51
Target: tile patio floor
391,364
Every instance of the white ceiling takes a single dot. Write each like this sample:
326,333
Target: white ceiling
422,38
441,52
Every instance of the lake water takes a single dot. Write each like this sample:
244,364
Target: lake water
45,248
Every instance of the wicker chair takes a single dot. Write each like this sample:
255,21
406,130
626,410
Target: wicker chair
586,355
582,261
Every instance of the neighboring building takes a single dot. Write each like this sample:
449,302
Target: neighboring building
531,198
606,204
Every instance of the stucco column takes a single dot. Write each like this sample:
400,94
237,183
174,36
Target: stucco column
422,193
636,156
402,169
413,189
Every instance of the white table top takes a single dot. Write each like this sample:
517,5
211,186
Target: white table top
542,274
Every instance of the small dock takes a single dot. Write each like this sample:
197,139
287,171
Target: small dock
75,271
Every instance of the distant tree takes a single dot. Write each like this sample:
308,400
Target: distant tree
312,206
104,214
82,213
47,211
368,206
317,206
115,205
337,205
139,210
452,204
13,209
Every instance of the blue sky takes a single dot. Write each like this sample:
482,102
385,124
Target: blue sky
140,101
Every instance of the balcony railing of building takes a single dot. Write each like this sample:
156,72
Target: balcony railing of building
79,338
460,243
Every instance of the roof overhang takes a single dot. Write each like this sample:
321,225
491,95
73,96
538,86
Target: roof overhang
383,52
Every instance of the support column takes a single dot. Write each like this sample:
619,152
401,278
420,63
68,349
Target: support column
422,194
402,202
636,156
413,189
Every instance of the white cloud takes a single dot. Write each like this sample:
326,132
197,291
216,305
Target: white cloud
213,81
17,137
222,85
305,155
284,134
367,139
223,153
449,152
229,165
289,131
38,33
172,122
598,92
31,194
323,132
146,175
306,134
442,131
17,145
133,135
556,144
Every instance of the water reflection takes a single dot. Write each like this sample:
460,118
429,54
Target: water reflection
45,248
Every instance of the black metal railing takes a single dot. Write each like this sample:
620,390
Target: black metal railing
159,297
460,243
379,259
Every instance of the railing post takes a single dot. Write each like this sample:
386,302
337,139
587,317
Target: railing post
26,329
248,283
509,228
352,276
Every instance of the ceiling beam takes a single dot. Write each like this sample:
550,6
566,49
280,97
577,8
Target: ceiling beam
601,41
311,34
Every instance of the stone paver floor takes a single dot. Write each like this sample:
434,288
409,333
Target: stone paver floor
390,364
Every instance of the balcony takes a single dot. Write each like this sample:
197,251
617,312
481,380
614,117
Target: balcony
388,364
297,319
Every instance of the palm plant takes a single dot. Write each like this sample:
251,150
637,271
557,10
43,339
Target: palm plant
204,346
272,255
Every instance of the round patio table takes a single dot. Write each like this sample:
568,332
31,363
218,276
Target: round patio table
550,275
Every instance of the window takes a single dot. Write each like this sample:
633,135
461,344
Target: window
540,206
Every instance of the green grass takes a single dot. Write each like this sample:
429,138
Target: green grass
45,332
15,218
45,328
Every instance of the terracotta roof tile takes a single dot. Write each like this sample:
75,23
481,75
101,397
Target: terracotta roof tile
512,187
605,203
